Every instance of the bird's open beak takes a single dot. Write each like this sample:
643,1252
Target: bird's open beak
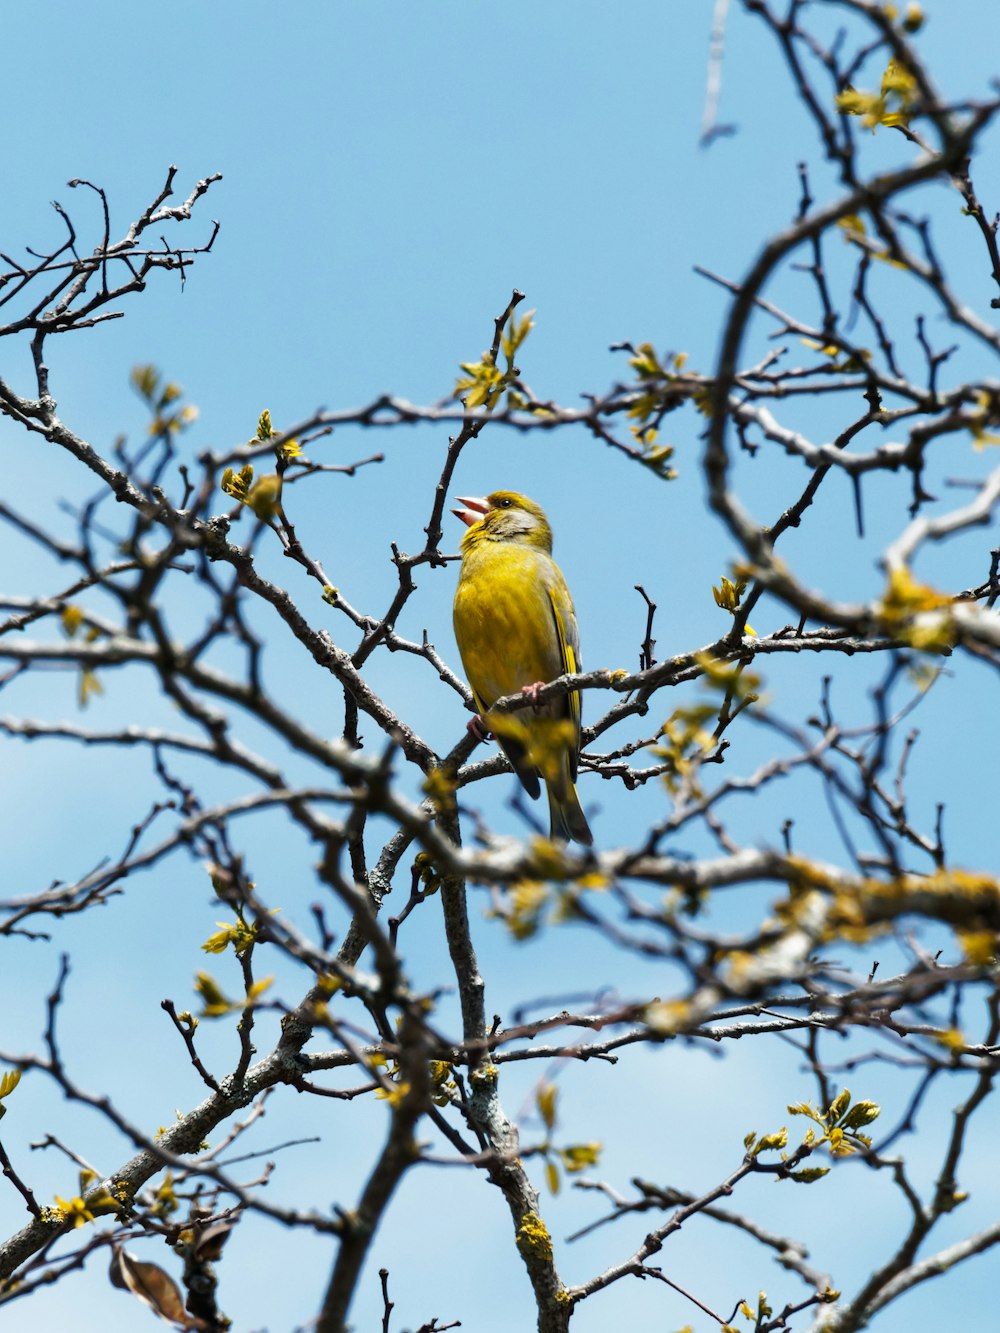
473,510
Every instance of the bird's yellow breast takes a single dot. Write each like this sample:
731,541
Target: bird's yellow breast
503,616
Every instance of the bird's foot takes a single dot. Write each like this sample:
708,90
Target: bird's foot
476,728
531,693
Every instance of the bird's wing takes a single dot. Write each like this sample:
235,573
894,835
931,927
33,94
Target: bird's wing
564,620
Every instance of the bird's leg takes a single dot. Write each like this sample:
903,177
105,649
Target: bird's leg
476,728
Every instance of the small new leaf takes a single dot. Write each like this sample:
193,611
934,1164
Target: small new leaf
238,934
483,383
515,333
238,484
545,1100
74,1211
72,619
264,497
893,105
552,1177
528,899
578,1156
89,686
728,597
214,999
8,1082
808,1174
860,1114
838,1106
772,1142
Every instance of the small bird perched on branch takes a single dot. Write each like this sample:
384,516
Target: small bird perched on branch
516,630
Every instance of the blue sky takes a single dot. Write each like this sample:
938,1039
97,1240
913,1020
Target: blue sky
390,173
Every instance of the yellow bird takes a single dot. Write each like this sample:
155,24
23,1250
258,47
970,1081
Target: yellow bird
516,630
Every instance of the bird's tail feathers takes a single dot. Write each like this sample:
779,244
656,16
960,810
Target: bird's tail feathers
568,821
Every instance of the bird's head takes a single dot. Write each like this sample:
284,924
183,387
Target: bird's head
504,516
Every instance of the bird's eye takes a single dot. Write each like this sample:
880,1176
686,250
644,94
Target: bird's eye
504,503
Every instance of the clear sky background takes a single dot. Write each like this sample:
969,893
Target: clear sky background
390,173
